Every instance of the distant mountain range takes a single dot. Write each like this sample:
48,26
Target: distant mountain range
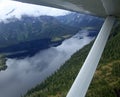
51,29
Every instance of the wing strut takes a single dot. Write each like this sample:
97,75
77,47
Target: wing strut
83,79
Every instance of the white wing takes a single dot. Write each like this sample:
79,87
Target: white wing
94,7
103,8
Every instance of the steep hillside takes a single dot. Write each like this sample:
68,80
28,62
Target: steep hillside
32,28
106,81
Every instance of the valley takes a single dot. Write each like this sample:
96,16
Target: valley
32,70
106,81
42,48
35,47
32,34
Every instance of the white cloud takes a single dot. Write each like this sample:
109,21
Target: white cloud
23,74
6,6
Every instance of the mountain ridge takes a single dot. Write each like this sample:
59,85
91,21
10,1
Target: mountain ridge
29,29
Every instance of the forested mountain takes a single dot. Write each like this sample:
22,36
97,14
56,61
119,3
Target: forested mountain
106,81
28,35
33,28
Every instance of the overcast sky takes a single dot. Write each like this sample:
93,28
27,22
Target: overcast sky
10,8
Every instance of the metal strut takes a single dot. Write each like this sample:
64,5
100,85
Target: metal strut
83,79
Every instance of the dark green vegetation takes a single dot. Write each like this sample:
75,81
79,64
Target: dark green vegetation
2,63
106,81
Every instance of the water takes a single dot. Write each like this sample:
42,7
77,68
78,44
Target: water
23,74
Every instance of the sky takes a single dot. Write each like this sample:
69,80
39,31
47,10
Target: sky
10,9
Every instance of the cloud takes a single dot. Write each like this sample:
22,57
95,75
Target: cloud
27,9
23,74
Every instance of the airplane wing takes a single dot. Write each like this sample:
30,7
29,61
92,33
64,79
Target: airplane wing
103,8
100,8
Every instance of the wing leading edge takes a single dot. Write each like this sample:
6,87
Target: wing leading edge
100,8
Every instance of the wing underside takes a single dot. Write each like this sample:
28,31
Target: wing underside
101,8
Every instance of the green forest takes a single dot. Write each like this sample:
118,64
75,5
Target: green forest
2,63
106,81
